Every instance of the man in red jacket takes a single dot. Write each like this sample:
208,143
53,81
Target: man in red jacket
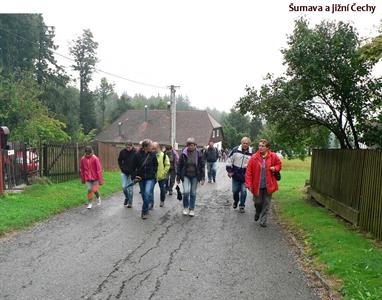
259,179
91,174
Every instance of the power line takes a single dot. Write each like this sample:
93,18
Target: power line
96,69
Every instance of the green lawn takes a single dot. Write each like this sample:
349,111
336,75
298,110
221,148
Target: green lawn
38,202
340,251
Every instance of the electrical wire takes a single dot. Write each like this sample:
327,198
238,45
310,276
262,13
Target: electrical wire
96,69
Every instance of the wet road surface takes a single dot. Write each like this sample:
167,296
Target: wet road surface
109,252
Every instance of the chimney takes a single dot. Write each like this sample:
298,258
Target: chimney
145,113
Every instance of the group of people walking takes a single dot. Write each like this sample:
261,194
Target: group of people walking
149,165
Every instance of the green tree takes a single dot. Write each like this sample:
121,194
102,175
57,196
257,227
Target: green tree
327,84
84,52
236,126
103,92
25,115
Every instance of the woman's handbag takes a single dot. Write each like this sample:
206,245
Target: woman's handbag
178,193
276,174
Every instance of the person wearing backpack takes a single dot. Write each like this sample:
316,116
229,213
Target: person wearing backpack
260,179
211,155
161,176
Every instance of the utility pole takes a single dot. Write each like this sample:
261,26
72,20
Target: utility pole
173,116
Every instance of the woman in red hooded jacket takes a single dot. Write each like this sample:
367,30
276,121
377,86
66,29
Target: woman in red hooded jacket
91,174
259,179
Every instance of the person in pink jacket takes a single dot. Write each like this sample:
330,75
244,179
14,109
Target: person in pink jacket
260,179
91,174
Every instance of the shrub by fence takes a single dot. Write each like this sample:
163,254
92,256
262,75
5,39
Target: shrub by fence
349,182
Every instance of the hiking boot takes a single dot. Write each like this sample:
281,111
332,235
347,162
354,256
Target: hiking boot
125,203
235,203
257,216
144,216
263,225
209,181
191,213
129,205
170,193
99,201
214,180
151,206
89,206
161,204
185,211
241,209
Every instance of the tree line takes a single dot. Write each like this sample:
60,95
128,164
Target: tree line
39,100
328,93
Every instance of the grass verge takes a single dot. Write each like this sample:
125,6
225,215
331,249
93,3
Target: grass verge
334,247
38,202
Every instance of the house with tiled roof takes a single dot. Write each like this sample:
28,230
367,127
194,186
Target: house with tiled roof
136,125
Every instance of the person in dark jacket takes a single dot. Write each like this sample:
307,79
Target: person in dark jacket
147,166
126,162
211,156
191,170
236,167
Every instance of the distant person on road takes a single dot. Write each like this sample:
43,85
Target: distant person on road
191,170
259,179
127,164
161,176
236,166
91,174
211,155
171,174
147,167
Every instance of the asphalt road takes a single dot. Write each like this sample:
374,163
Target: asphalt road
109,252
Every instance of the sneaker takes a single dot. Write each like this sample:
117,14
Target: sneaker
151,206
129,205
170,193
263,225
161,204
144,216
191,213
235,203
257,216
241,209
185,211
89,206
214,180
125,202
99,201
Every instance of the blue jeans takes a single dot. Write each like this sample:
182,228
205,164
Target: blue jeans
211,171
239,192
128,191
163,190
189,191
146,190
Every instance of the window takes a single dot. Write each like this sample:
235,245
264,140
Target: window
213,133
217,132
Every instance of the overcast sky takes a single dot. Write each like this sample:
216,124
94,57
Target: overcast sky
211,49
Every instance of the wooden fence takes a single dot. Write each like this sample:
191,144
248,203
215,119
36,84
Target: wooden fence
349,182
